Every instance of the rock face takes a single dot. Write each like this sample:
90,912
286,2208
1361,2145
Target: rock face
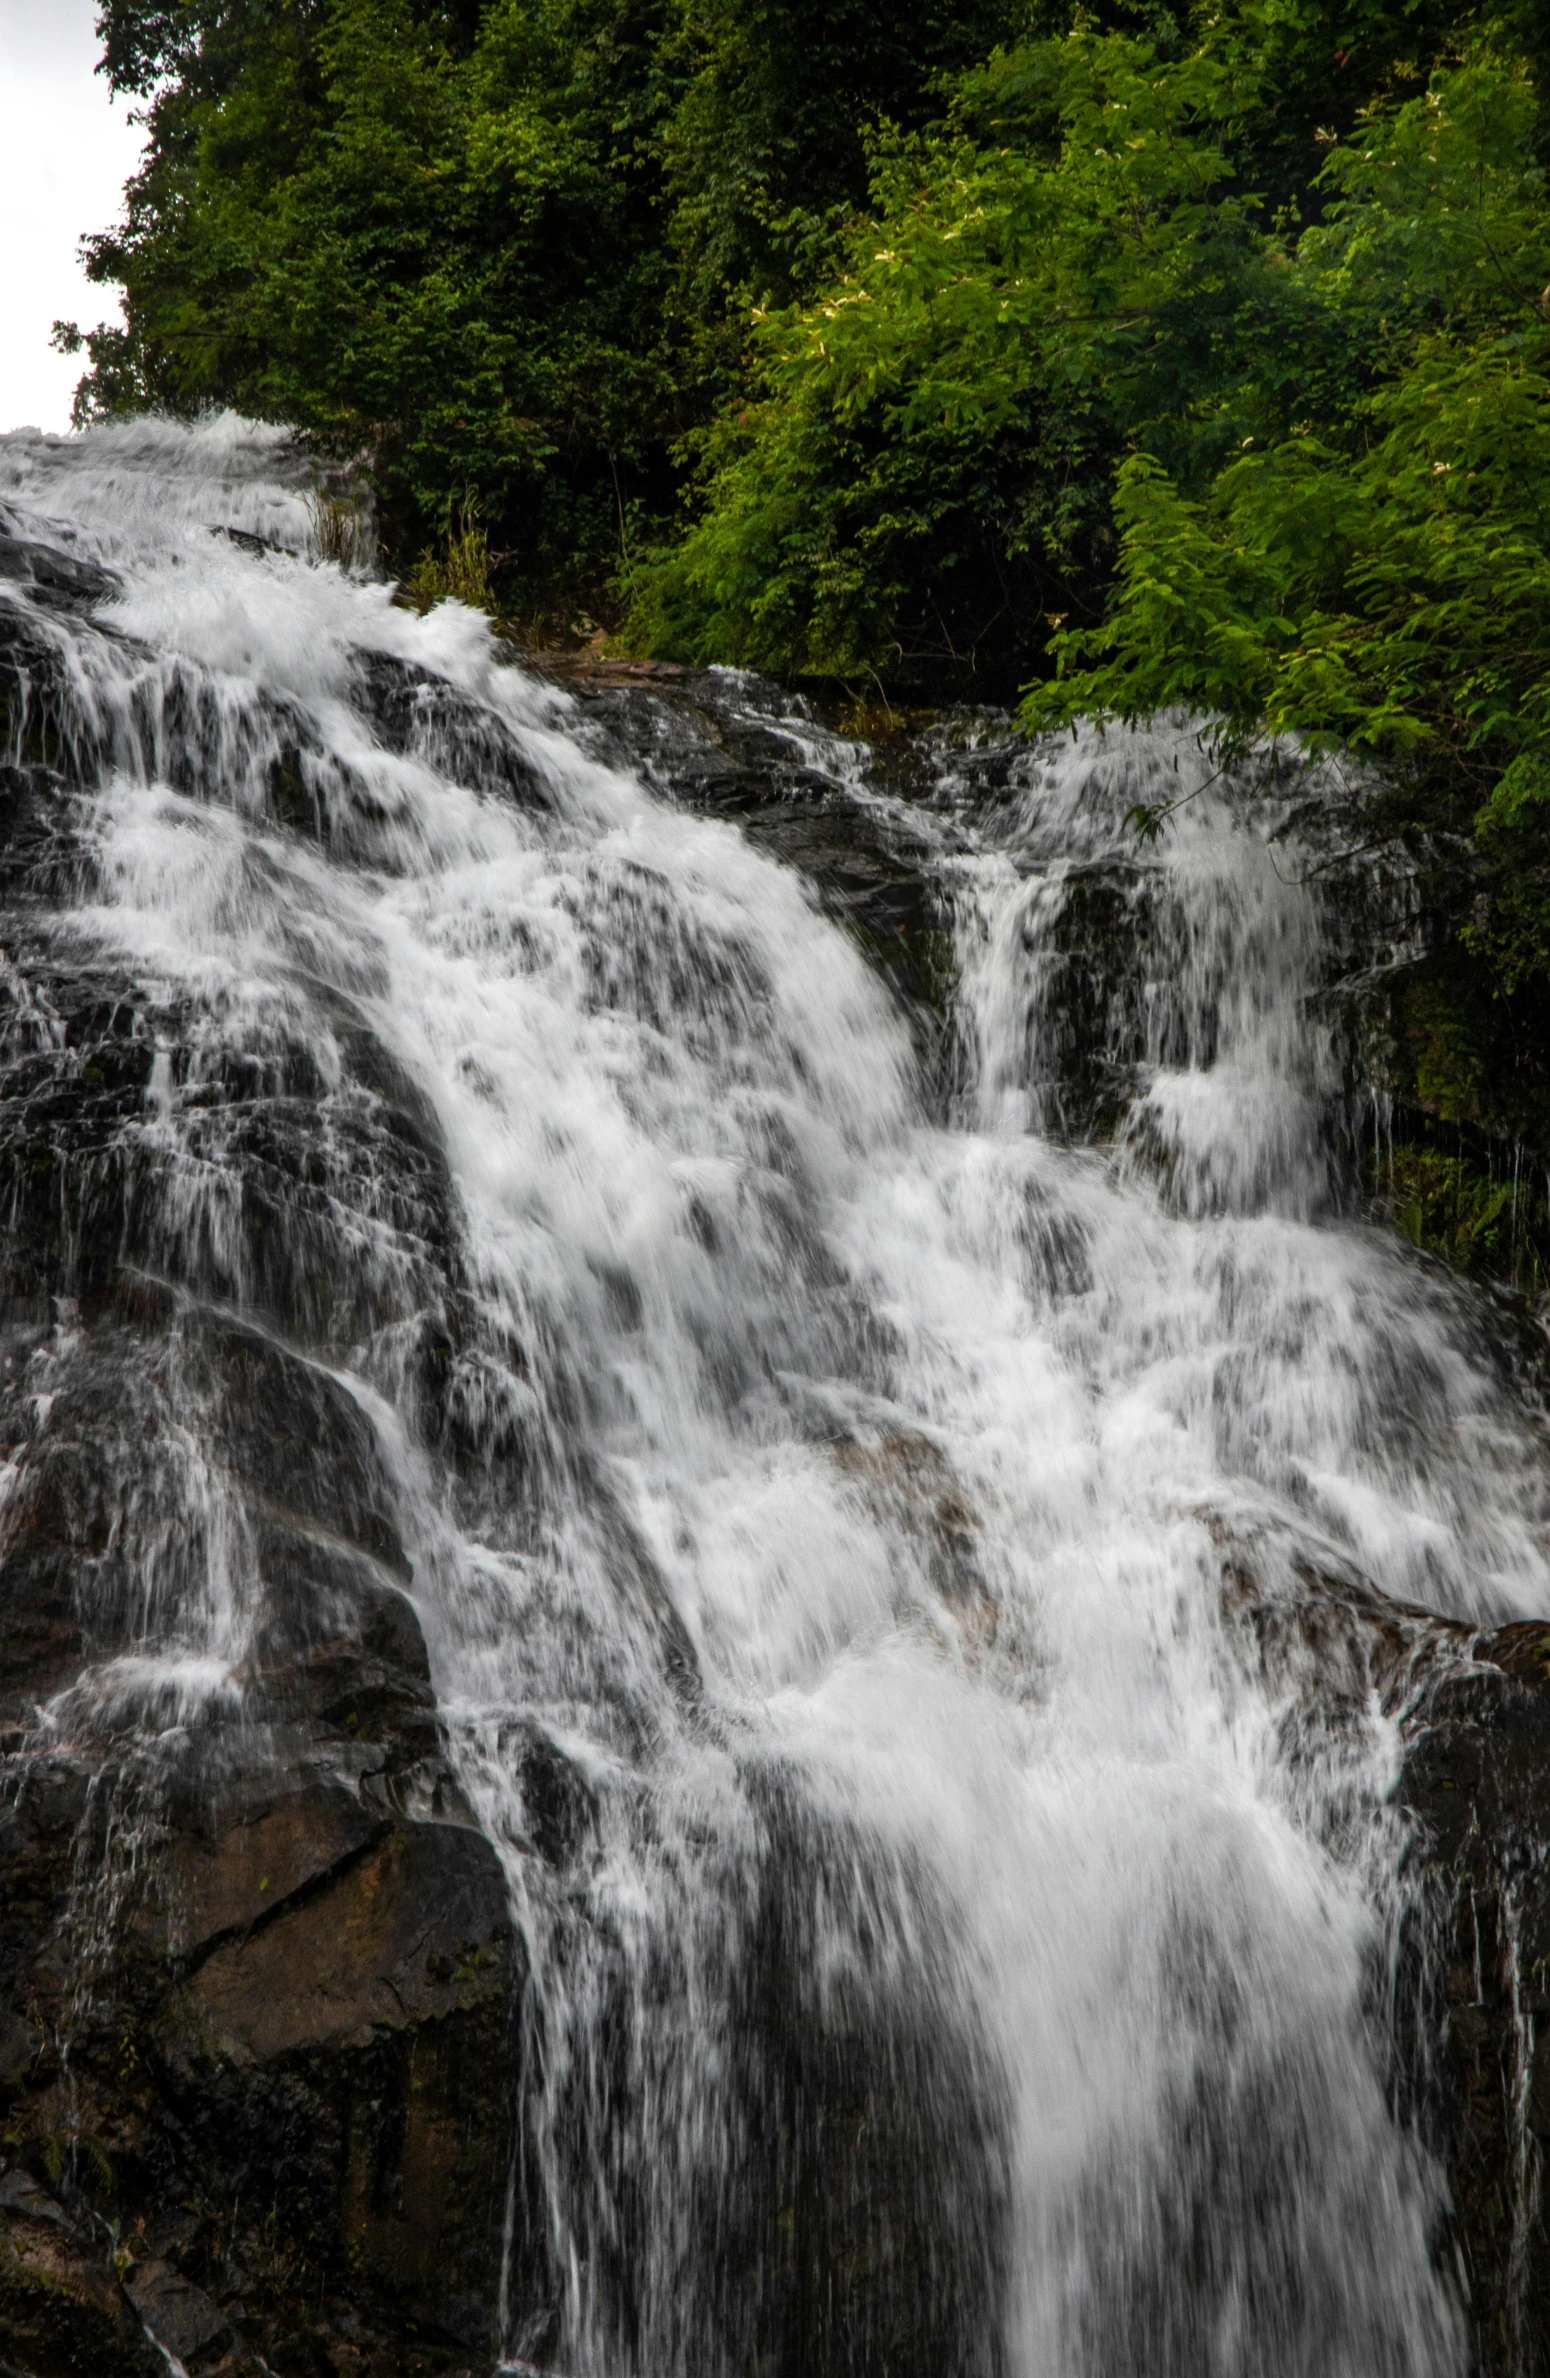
257,1967
732,748
1475,1782
258,1994
275,2114
1471,2044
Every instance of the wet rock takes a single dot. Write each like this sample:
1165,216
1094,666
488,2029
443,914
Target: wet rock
556,1802
285,1840
264,1932
286,2114
734,749
871,2233
1320,1636
62,579
375,1939
1475,1783
175,2312
1472,2007
63,2311
907,1481
426,718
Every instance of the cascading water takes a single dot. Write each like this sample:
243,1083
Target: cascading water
869,1561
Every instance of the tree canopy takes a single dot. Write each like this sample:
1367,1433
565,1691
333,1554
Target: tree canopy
504,249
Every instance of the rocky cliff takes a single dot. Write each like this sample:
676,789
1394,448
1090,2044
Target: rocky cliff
267,2032
259,1970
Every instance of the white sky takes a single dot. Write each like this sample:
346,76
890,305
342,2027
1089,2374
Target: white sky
66,151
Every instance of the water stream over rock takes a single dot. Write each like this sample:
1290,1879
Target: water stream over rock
720,1542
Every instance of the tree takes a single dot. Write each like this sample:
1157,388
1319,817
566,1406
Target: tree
501,249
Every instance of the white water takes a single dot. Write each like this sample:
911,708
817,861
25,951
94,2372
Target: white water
948,1450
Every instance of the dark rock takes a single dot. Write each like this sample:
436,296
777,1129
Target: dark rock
21,2197
175,2312
63,2311
556,1802
907,1480
387,1933
734,750
872,2231
287,1837
302,2040
426,718
296,2019
1475,1783
52,572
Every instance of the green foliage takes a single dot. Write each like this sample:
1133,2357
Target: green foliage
1377,579
461,572
77,2152
765,151
924,471
498,247
438,251
1173,291
1137,301
1453,1205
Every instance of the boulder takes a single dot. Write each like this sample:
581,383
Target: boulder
272,2122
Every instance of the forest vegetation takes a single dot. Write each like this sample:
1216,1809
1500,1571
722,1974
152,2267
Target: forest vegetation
1114,359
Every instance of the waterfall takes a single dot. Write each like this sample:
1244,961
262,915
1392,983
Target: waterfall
894,1558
